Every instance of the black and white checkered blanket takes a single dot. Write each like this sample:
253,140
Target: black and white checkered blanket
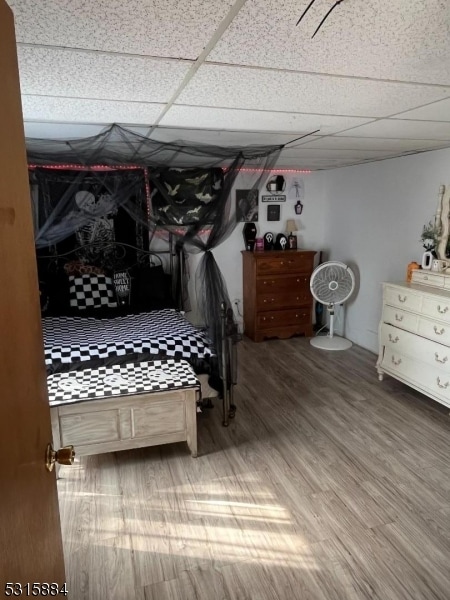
120,380
75,339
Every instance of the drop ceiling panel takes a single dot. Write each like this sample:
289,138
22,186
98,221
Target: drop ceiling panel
438,111
39,108
384,39
221,138
172,28
238,87
395,128
303,152
311,163
257,120
365,143
70,73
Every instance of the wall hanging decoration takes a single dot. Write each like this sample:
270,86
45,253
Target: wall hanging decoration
277,183
247,205
273,198
298,208
297,189
273,212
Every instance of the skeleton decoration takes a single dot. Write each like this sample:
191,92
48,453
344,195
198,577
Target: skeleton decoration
95,238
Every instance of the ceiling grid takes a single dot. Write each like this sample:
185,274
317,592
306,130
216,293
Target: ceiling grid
373,83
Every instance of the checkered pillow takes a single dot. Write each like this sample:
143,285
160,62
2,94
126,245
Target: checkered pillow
91,291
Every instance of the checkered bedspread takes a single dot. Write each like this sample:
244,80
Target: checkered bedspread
75,339
129,379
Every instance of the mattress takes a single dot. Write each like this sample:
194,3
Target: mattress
161,332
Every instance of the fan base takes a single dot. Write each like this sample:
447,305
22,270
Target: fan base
325,342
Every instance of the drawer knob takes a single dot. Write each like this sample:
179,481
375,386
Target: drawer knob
396,362
440,360
442,311
393,340
398,318
282,262
442,385
298,280
402,299
437,331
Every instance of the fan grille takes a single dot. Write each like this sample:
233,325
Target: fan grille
332,283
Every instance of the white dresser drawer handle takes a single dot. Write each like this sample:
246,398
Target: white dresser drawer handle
398,318
393,340
437,332
442,385
440,360
396,362
402,299
442,311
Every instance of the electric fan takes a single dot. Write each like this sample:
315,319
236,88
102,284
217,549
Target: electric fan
332,283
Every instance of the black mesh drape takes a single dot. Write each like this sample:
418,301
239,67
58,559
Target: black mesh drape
177,189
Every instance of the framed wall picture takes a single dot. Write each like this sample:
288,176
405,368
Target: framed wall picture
273,212
247,205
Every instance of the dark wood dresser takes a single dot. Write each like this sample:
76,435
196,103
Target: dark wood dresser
277,299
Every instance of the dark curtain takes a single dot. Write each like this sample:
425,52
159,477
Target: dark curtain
181,189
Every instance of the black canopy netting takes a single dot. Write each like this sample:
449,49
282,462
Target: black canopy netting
178,190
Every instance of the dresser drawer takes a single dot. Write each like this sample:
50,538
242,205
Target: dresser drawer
403,298
280,318
434,330
416,347
291,263
428,278
283,300
438,308
400,318
423,376
282,283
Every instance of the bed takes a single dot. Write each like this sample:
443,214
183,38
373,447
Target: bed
72,342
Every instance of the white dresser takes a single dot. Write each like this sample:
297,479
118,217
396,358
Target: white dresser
414,334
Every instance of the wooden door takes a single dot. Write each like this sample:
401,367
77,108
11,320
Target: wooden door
30,534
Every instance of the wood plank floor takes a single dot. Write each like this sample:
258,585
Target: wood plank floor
327,485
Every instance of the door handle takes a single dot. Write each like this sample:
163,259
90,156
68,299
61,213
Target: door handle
63,456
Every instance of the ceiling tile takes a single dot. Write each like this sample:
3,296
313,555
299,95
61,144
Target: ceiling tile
41,108
303,152
437,111
60,131
257,120
69,73
171,28
220,137
365,143
381,39
238,87
395,128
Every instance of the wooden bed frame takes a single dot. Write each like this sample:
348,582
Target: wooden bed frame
125,422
